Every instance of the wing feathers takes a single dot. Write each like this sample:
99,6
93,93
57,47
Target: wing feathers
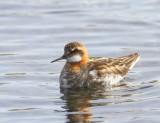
120,65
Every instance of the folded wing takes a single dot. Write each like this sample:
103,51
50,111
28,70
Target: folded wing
120,65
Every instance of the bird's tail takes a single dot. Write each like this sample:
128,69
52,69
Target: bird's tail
130,60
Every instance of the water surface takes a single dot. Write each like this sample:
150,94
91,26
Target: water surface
33,33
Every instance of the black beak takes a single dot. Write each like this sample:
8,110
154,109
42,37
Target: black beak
62,57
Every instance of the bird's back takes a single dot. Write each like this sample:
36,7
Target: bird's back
120,65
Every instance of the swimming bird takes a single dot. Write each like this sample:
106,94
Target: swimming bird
80,70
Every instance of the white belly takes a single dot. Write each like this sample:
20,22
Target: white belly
108,79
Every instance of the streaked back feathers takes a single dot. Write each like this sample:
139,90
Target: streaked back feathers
120,65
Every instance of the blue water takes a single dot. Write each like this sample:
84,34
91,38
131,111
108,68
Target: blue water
33,33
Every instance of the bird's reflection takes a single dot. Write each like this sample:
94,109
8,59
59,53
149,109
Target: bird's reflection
78,102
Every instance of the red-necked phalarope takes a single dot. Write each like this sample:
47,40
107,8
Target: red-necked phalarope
82,71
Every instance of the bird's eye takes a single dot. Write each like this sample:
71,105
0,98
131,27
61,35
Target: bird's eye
74,50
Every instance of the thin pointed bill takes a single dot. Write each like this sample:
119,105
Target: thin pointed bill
62,57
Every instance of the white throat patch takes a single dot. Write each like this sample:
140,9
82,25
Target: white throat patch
75,58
